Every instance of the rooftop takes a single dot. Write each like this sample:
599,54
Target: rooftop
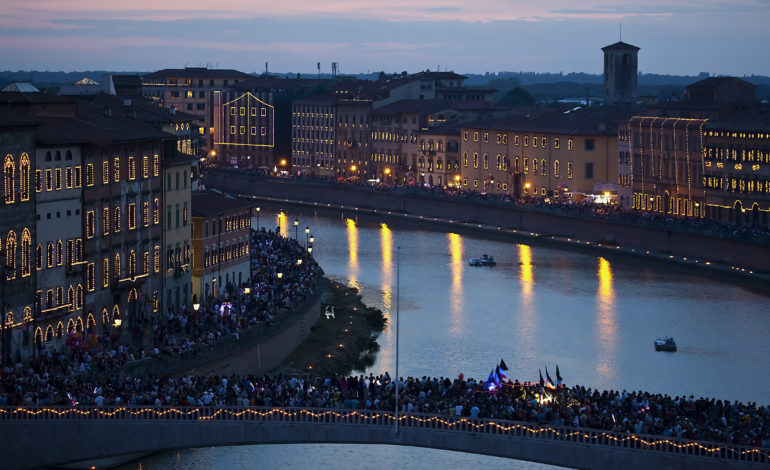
211,204
620,45
196,72
570,121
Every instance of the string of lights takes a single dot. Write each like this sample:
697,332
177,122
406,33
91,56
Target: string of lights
422,421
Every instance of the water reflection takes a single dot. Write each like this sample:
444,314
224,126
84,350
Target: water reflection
282,223
386,247
352,232
527,318
456,293
606,322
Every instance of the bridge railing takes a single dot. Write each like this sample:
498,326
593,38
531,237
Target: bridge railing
346,417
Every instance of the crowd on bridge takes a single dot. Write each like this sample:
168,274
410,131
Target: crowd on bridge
256,303
41,385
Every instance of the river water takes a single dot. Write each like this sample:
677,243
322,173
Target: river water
596,317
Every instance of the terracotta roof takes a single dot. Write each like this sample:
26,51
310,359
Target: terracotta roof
429,106
211,204
146,110
713,82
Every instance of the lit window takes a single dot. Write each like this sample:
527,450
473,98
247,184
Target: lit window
105,172
131,168
263,112
132,216
569,144
90,224
38,180
569,169
106,272
26,247
116,266
24,176
556,169
262,131
90,277
57,181
106,220
116,219
59,253
476,136
145,214
156,211
145,166
90,174
155,165
526,140
253,130
156,259
116,170
544,142
9,168
555,142
232,130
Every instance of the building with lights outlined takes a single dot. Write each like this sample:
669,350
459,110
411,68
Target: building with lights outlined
244,129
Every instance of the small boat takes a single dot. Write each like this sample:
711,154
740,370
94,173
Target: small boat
483,261
665,344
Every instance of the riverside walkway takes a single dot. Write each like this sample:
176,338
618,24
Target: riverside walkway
43,437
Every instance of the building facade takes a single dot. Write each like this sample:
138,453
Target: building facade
244,129
178,172
221,238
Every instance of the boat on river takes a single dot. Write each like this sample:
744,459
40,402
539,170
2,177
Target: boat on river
483,261
665,344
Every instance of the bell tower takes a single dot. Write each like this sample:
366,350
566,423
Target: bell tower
620,73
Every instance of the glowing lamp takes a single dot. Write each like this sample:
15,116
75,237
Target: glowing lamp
387,171
353,168
307,230
279,275
118,322
283,162
457,177
312,239
296,222
247,290
527,185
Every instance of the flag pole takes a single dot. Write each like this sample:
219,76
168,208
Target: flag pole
398,290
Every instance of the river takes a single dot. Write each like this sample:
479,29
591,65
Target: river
595,317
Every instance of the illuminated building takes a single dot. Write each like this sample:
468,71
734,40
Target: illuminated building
396,128
17,146
330,136
244,129
191,90
177,178
562,153
221,237
438,162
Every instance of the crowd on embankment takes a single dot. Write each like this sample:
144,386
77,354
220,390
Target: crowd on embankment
695,225
705,419
257,303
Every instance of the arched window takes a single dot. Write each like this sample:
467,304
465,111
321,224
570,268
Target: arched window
49,333
9,320
10,254
544,167
116,266
105,317
26,248
70,326
79,300
59,253
8,170
38,335
59,327
26,315
131,264
117,219
486,161
534,166
79,325
39,256
24,176
71,299
90,321
556,168
50,254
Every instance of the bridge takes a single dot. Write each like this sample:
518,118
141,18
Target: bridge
41,437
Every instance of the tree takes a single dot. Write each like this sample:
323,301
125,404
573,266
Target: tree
517,97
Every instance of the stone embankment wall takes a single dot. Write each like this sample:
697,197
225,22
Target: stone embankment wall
642,237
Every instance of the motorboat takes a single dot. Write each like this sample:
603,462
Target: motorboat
483,261
665,344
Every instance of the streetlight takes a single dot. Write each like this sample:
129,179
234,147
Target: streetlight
311,239
309,249
258,209
196,307
307,234
296,227
247,290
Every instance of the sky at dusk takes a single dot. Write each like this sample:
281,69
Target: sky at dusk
467,36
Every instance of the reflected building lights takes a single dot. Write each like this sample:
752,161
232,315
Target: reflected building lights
387,341
527,326
606,322
282,222
456,296
352,232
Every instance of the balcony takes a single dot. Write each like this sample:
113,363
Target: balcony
129,282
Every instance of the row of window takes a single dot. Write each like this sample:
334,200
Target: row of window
17,255
737,155
737,184
55,254
113,169
212,256
115,223
129,268
502,138
9,178
228,224
253,130
178,257
55,299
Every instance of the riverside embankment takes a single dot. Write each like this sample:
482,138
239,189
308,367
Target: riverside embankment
747,261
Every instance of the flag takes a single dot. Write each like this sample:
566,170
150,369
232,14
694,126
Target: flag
558,376
500,374
491,381
502,365
549,383
541,377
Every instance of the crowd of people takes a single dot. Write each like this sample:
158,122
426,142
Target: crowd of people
567,207
187,332
40,384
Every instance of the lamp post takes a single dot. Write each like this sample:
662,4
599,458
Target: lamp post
258,209
296,229
278,275
307,235
196,307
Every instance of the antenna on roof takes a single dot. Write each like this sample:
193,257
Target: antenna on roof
620,32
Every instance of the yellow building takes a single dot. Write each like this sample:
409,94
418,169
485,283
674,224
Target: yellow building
558,154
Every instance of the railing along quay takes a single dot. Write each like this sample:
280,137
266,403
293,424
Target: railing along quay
411,421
